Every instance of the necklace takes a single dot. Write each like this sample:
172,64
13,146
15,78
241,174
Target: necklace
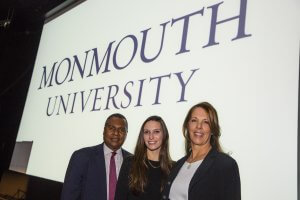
190,164
197,158
155,167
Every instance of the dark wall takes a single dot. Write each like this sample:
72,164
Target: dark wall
44,189
18,50
19,40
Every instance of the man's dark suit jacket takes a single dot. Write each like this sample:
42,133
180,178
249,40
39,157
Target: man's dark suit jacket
217,178
86,175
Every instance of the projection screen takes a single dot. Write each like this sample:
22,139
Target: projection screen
142,58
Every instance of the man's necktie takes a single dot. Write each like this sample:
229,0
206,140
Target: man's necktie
112,177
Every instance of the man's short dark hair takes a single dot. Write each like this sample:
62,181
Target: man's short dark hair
118,115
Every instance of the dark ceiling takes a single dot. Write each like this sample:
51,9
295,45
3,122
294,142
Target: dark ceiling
24,20
21,23
25,15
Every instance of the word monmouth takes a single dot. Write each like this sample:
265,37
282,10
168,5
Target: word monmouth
130,92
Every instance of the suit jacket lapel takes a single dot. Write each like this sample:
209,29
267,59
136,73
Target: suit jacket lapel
101,169
125,154
97,174
203,168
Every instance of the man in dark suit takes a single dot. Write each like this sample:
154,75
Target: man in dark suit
89,170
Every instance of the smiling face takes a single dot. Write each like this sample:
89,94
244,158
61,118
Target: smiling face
153,135
199,128
114,133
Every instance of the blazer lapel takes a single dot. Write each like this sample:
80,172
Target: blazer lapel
203,168
176,169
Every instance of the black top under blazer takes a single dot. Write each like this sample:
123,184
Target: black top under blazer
217,178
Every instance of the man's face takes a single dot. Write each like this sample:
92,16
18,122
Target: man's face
114,133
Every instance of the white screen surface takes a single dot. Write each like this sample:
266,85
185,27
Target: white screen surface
247,68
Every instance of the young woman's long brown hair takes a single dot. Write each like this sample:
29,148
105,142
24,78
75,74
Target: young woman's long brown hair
138,173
